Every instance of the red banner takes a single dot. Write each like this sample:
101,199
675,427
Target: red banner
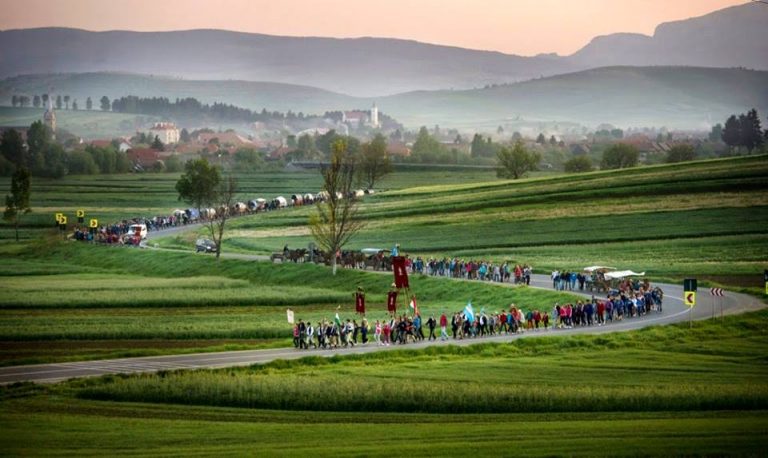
401,275
392,302
360,303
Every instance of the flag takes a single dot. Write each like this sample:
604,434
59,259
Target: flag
337,319
469,313
392,302
401,275
360,302
413,306
289,312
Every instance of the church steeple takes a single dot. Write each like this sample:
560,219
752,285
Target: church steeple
49,117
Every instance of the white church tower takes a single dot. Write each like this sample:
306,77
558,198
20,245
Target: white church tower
375,116
49,117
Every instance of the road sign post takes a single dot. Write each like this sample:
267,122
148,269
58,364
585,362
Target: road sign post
689,297
80,216
765,279
717,293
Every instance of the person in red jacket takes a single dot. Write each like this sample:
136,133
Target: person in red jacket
443,326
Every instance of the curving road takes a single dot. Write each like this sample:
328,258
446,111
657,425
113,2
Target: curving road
674,311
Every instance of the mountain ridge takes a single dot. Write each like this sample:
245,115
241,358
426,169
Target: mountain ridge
372,66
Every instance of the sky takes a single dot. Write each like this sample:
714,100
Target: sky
523,27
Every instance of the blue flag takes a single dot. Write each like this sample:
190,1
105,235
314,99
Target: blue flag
469,313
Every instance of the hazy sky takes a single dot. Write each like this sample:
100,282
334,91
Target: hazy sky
523,27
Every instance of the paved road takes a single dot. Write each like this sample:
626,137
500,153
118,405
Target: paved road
674,311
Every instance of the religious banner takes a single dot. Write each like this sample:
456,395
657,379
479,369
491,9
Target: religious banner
392,302
401,275
289,313
360,301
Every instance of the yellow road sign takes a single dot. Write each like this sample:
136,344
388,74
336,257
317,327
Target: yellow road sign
94,223
81,213
690,298
63,220
59,216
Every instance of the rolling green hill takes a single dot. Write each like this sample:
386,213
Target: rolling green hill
676,97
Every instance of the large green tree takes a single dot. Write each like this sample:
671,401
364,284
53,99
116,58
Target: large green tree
17,203
425,145
336,221
619,156
12,148
374,161
516,161
201,186
105,105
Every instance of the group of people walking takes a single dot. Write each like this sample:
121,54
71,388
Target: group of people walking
403,329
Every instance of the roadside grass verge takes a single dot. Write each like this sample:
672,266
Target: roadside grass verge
715,366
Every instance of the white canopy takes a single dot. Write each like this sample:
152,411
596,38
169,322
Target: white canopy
594,268
622,274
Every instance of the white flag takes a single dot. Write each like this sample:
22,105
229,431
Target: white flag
289,312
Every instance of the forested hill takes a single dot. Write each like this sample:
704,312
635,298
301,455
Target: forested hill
681,97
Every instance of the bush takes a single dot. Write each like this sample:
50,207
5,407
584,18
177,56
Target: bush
681,153
619,156
579,164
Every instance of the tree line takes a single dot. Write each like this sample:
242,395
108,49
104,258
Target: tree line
41,100
44,157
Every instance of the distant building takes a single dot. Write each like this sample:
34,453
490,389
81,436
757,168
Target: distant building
49,117
398,149
375,116
143,158
167,132
354,118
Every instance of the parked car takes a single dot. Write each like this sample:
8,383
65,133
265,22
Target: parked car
205,246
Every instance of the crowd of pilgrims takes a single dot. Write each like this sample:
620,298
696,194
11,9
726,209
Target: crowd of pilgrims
115,232
401,329
471,270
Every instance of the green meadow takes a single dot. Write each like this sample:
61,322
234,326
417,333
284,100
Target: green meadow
69,301
660,391
663,391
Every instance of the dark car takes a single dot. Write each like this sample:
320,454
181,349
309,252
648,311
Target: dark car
205,245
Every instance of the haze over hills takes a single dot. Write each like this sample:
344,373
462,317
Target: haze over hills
730,37
680,97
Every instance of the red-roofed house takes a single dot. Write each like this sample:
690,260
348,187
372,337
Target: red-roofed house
398,149
143,158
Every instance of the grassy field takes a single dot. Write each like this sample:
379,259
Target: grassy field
114,197
69,301
705,219
94,124
660,391
710,217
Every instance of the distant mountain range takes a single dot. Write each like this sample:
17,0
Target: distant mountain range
732,37
680,97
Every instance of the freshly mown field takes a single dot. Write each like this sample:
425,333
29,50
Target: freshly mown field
660,391
69,301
